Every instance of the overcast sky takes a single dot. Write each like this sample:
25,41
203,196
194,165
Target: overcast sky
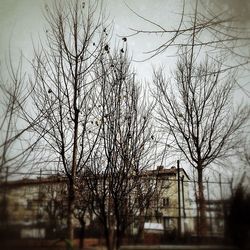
22,21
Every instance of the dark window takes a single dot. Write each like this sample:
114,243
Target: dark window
166,202
29,204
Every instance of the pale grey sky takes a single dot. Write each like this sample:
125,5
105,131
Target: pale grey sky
21,21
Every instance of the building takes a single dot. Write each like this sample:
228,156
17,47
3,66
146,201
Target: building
33,208
37,208
171,201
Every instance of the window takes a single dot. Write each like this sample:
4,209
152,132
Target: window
165,202
29,204
167,222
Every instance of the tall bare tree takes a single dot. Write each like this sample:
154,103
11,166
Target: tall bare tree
64,86
196,107
15,144
125,150
199,86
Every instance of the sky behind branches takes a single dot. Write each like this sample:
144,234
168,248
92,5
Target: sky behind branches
22,24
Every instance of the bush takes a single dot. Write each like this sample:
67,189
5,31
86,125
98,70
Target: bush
238,220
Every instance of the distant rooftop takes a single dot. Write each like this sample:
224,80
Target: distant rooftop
32,182
160,170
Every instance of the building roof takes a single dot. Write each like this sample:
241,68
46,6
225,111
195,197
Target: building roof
172,171
53,179
160,171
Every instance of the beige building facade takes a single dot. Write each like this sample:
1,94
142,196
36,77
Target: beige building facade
171,200
39,206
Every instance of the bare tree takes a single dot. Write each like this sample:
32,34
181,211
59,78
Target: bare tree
15,144
216,32
125,150
193,105
64,88
196,107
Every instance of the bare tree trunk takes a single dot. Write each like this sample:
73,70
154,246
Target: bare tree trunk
109,238
202,224
73,170
140,235
82,235
71,198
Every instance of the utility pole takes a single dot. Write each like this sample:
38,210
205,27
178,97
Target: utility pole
183,196
231,186
222,203
179,199
209,208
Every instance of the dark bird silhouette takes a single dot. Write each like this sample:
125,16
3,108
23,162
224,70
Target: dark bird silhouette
106,47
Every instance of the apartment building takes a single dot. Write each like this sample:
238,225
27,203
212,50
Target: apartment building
37,207
33,206
171,201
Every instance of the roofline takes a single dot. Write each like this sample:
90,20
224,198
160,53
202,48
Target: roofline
33,182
